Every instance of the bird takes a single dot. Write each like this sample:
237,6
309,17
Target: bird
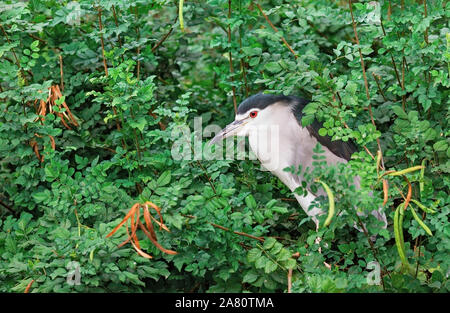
276,136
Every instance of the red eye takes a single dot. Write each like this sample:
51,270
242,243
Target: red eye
253,114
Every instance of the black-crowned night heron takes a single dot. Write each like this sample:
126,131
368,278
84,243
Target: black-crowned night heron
276,136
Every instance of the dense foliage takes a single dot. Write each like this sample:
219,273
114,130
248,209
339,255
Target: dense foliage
118,78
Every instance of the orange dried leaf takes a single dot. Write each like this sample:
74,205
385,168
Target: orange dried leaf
157,209
160,224
63,121
141,253
148,221
156,242
129,214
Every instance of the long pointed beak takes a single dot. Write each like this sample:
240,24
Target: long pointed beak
229,130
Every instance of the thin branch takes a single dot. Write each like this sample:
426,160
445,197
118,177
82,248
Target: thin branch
117,25
403,84
205,172
61,72
425,14
243,70
379,87
164,37
360,52
366,84
270,257
15,56
237,232
10,209
276,30
37,38
343,122
12,49
289,279
101,39
371,245
390,53
231,59
227,229
138,70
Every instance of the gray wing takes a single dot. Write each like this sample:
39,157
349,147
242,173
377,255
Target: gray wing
340,148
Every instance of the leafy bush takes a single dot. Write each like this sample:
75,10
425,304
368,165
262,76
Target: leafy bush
117,80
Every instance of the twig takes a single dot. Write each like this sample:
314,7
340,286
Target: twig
37,38
343,122
101,39
425,14
204,171
389,10
276,30
29,286
237,232
10,209
403,84
289,278
390,53
106,67
233,88
139,47
14,53
164,37
244,72
12,49
61,71
162,126
366,84
207,176
371,246
360,52
227,229
242,59
270,257
379,87
117,25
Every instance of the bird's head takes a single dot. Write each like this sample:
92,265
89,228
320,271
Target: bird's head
255,112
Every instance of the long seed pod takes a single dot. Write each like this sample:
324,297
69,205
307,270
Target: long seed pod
398,234
330,203
405,171
408,195
378,162
422,207
421,223
180,14
385,191
422,173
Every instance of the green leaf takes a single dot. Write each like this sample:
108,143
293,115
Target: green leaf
250,202
273,67
323,132
250,277
399,112
441,145
41,196
164,179
270,267
307,120
35,45
253,254
269,242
